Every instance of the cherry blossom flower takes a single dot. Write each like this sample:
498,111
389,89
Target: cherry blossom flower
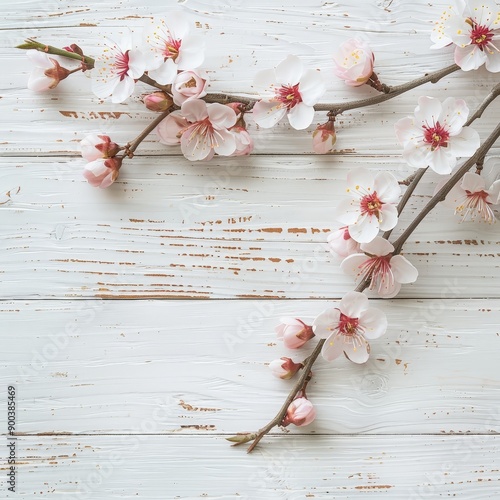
474,27
324,138
189,85
289,90
169,47
116,70
158,101
294,332
435,136
372,204
284,368
385,271
205,132
102,172
244,142
95,146
353,62
47,72
470,198
348,326
301,412
341,243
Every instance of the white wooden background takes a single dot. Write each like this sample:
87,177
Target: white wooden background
132,398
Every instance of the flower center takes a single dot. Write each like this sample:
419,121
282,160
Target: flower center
348,326
121,64
378,270
371,205
172,48
476,205
190,83
479,35
289,96
203,132
436,136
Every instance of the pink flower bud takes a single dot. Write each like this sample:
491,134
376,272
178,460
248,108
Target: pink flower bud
294,332
236,107
341,243
353,62
324,138
158,101
102,172
301,412
284,368
95,146
47,72
189,85
244,143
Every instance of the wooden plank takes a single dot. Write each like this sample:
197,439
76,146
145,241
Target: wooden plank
53,123
251,228
176,367
295,468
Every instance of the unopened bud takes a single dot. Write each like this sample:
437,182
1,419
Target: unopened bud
158,101
284,368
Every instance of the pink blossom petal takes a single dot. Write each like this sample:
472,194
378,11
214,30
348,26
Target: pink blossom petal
473,182
379,247
38,81
333,347
388,289
40,59
195,110
196,146
323,324
357,351
428,110
353,303
289,71
169,129
387,187
403,270
301,116
366,228
469,57
388,217
226,143
221,116
374,322
311,87
351,265
340,245
266,114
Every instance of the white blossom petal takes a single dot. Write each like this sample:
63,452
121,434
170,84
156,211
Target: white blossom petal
404,271
374,322
301,116
289,71
353,303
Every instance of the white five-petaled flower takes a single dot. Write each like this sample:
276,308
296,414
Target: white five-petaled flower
353,62
470,198
474,27
377,263
435,136
201,129
116,70
372,206
341,243
290,90
169,47
348,326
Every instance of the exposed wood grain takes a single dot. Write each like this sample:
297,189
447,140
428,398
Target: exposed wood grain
255,227
184,366
292,468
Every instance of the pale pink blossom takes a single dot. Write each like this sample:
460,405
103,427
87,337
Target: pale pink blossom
294,332
324,138
301,412
169,47
289,90
46,73
189,85
102,172
341,243
471,199
284,368
348,326
435,136
473,26
95,146
116,70
353,62
244,142
372,204
158,101
171,128
206,132
377,263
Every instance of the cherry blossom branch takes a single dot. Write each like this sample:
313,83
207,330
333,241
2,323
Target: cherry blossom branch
441,194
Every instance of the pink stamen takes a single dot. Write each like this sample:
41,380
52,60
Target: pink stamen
122,64
289,95
480,35
371,205
437,136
